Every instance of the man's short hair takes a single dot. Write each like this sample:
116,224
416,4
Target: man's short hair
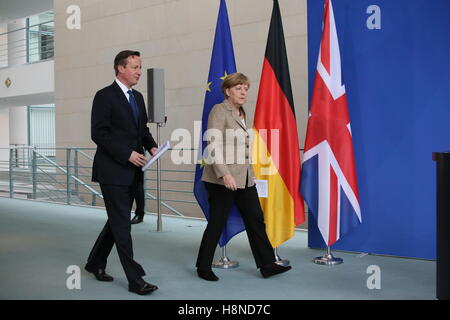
121,59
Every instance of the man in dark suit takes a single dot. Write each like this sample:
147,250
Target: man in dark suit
119,128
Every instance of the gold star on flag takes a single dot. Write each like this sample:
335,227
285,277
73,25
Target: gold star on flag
208,86
202,162
224,76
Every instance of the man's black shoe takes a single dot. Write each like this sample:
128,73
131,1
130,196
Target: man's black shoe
141,287
137,219
207,275
273,269
99,273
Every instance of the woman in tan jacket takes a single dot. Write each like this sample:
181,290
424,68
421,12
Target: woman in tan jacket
229,179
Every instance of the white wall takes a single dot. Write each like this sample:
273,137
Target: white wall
177,36
17,56
31,84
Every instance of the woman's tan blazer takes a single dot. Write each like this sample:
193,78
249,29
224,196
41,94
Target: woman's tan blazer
228,150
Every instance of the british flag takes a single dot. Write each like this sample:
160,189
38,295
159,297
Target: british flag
328,183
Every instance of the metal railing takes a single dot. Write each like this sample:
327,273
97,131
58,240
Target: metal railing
30,173
35,44
66,178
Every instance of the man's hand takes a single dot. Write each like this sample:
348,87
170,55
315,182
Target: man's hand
137,159
229,182
153,151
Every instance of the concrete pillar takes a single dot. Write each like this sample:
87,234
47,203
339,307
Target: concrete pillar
17,55
3,45
4,137
18,129
17,42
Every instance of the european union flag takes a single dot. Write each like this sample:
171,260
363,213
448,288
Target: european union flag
222,64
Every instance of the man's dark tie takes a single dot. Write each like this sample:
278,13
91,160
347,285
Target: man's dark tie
134,106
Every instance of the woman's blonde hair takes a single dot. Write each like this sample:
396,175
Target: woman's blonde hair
232,80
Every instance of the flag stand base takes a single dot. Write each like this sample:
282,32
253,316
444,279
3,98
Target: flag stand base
328,259
224,262
279,261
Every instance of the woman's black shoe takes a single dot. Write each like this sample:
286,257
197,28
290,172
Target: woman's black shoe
273,269
207,275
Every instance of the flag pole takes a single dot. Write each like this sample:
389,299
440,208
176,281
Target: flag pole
225,262
159,227
328,259
278,260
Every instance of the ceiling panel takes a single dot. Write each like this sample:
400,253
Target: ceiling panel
14,9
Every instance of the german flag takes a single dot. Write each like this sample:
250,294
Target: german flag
276,152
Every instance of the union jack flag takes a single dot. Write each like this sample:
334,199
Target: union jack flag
328,183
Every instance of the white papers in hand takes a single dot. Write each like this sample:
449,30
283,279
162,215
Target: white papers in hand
161,150
262,186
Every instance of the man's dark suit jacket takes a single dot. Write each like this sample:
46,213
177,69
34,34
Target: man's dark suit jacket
116,134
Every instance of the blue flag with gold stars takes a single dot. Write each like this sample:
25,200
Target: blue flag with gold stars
222,64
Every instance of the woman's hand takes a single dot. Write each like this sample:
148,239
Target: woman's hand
229,182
